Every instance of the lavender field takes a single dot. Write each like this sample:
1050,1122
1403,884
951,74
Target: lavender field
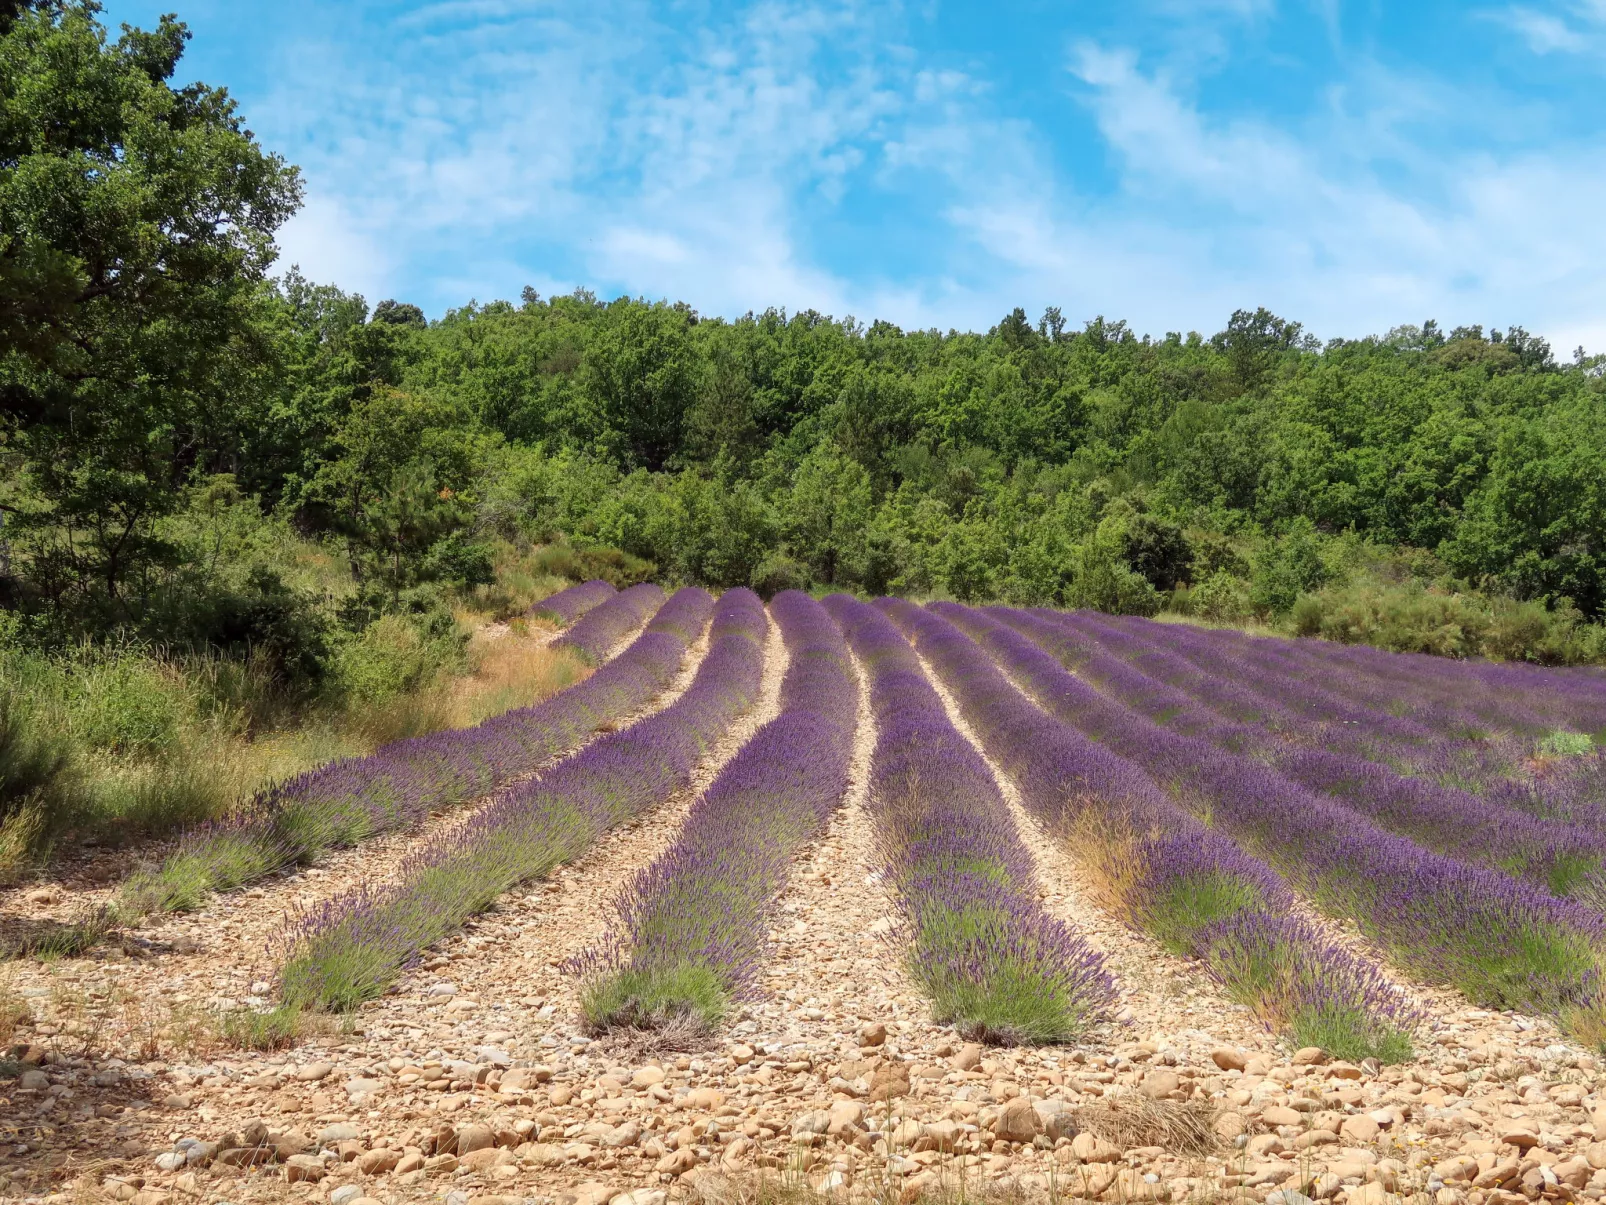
868,892
1325,831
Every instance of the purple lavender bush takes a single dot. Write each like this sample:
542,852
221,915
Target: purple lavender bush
976,939
566,606
689,933
605,625
1156,867
1503,942
1561,857
350,800
355,945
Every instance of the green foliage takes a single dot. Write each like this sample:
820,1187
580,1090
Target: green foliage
177,433
136,225
1413,618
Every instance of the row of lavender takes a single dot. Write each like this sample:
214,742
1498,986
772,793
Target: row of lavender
976,938
1562,857
690,926
349,800
566,606
1501,941
353,946
1338,707
604,626
1153,865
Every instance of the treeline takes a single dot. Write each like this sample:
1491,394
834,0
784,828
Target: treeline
174,421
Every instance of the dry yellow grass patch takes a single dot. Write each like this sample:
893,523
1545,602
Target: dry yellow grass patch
510,669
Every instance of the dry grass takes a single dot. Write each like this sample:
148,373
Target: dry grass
1107,856
777,1187
13,1011
1130,1120
511,668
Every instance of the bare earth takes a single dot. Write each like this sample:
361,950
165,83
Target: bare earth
474,1079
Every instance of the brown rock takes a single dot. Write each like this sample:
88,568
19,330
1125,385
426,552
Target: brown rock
592,1192
1309,1056
483,1158
1312,1138
647,1077
1501,1174
1344,1071
704,1098
291,1142
313,1072
1227,1059
1017,1121
474,1138
1094,1150
517,1079
969,1058
1229,1125
1160,1083
1520,1134
1281,1115
303,1169
1456,1168
890,1081
676,1163
379,1161
1359,1128
872,1033
409,1163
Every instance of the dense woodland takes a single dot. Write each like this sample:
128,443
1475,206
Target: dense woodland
174,416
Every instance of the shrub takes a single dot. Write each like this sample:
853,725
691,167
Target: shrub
128,704
598,561
1221,598
1411,618
778,572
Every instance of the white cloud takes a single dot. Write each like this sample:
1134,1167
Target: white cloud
1579,29
330,244
494,143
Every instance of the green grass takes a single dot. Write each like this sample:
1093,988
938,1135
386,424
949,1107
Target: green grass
652,999
1175,918
1350,1035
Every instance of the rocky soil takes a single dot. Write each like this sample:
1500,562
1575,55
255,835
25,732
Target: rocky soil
474,1081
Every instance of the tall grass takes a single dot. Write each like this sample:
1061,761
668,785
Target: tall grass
113,744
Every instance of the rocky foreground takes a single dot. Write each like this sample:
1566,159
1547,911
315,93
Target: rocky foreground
436,1096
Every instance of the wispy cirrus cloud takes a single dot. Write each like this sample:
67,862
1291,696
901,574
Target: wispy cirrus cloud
1165,163
1571,28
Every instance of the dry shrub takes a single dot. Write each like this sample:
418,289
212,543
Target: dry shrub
1108,855
791,1187
1183,1127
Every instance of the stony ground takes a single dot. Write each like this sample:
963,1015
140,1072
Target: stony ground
475,1082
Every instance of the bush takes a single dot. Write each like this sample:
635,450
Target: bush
1220,598
600,561
1411,618
128,704
777,572
1286,569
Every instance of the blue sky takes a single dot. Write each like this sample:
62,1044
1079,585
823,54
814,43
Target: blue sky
1352,165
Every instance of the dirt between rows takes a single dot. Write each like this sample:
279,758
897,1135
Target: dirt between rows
474,1081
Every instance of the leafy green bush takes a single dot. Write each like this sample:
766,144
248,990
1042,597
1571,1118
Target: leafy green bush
1221,598
1413,618
127,704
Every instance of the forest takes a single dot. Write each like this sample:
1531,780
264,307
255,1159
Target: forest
218,471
